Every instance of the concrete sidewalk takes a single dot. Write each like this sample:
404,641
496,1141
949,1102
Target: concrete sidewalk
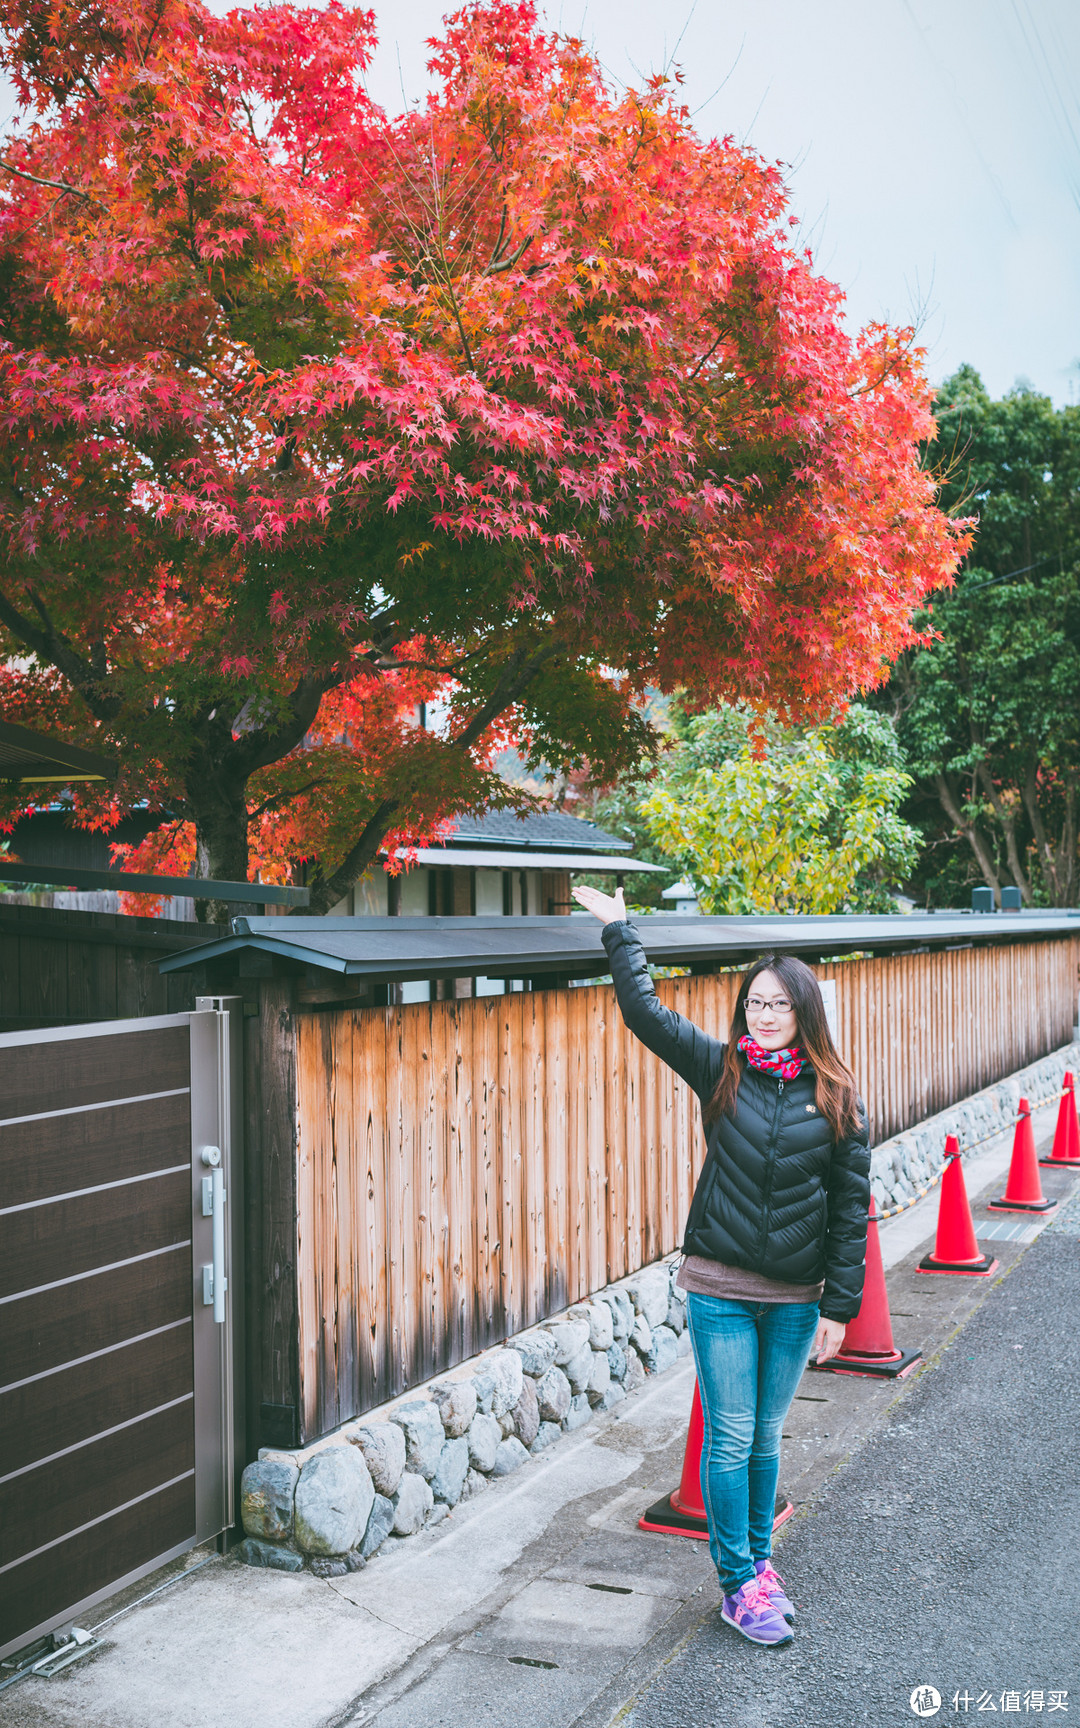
540,1599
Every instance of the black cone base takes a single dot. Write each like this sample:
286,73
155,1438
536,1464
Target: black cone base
1003,1205
880,1368
959,1268
664,1519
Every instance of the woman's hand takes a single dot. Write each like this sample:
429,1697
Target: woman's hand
609,909
830,1336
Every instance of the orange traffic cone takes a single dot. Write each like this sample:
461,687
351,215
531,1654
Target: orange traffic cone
1023,1190
1066,1147
868,1346
955,1247
683,1512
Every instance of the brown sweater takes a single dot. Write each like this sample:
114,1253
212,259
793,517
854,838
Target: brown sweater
735,1284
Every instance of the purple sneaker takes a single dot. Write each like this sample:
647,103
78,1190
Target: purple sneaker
774,1586
752,1614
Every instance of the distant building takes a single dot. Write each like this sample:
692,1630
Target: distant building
496,865
492,866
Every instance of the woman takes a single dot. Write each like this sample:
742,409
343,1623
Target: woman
775,1241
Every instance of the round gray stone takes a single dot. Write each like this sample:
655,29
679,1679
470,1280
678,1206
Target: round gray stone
379,1525
382,1447
613,1395
641,1336
569,1336
449,1478
579,1368
649,1291
537,1351
547,1432
617,1361
510,1456
553,1395
484,1436
504,1369
526,1413
334,1497
676,1314
475,1483
579,1413
455,1401
421,1424
622,1312
635,1375
412,1503
665,1350
254,1553
266,1499
601,1325
600,1378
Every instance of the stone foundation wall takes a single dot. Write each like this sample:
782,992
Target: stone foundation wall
901,1166
330,1506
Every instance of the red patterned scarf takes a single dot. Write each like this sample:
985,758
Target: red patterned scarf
785,1063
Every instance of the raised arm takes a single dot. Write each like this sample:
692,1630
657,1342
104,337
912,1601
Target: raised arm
677,1041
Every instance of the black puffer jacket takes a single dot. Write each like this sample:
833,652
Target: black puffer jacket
778,1193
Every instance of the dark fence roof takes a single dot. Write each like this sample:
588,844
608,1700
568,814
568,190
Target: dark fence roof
546,831
31,756
401,949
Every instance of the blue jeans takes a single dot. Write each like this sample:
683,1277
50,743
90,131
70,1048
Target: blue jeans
749,1357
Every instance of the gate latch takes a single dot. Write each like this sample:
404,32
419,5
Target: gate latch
215,1283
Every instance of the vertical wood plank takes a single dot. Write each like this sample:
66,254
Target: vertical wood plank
554,1011
529,1025
271,1111
512,1229
486,1033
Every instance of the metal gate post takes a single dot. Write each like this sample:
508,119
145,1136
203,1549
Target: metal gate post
217,1261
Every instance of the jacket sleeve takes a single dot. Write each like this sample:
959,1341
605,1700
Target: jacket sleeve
693,1054
848,1212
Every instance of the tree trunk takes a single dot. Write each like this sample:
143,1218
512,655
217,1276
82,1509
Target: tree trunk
1005,810
970,832
219,807
1057,858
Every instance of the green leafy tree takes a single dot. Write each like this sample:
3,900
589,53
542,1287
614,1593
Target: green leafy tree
989,716
791,819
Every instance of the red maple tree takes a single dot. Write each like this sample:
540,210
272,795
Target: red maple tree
310,413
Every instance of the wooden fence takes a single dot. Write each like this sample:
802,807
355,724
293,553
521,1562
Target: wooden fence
61,968
467,1167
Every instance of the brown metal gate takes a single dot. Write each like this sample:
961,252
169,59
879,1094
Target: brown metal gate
117,1418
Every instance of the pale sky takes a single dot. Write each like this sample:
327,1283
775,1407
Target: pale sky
932,148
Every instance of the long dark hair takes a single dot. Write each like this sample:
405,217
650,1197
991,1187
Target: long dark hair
836,1096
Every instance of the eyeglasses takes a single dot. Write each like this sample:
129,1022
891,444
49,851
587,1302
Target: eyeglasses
779,1005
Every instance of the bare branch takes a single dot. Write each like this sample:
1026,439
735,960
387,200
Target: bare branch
54,185
53,647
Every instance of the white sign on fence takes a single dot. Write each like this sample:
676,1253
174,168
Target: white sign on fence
828,995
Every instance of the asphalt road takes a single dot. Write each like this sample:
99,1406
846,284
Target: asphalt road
945,1554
